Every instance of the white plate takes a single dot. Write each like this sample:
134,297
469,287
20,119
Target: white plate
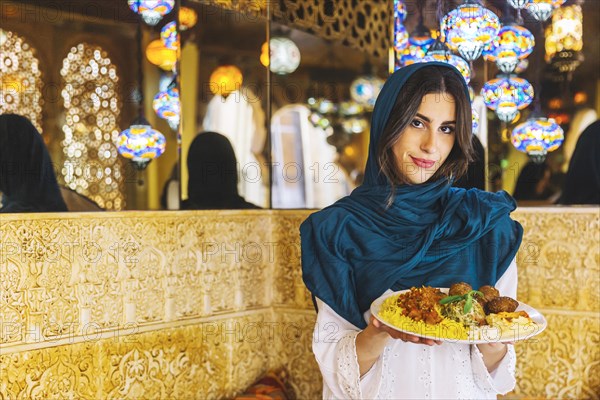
484,334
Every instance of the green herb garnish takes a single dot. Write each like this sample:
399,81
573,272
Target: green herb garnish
468,297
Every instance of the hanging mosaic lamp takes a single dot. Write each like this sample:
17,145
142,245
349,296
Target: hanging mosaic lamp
152,11
564,38
439,52
225,80
169,36
518,5
400,37
159,55
400,11
284,55
140,143
365,89
167,106
513,43
537,137
188,17
418,43
400,33
468,28
541,10
522,66
506,96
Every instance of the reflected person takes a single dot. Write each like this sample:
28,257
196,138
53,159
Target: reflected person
582,183
27,179
213,175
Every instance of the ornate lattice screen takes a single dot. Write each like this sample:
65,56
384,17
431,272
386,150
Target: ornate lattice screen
92,107
20,78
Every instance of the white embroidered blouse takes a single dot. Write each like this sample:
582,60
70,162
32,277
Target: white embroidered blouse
407,370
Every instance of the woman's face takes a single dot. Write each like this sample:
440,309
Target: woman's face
428,139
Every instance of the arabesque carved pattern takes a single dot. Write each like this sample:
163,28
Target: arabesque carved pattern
199,304
363,25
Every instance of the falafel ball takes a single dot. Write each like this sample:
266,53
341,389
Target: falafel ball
459,289
489,293
501,304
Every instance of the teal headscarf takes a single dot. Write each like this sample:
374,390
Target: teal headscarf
433,234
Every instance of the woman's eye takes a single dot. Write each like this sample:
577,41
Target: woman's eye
447,129
417,124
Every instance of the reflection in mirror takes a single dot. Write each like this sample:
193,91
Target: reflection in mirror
322,96
224,91
75,70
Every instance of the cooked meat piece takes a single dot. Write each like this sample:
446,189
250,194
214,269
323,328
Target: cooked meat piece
501,304
459,289
489,293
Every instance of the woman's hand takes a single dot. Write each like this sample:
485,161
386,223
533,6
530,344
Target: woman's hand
405,337
493,353
371,341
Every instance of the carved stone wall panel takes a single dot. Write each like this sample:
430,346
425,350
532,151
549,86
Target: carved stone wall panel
560,256
248,337
560,363
173,363
290,289
52,373
363,25
294,353
73,274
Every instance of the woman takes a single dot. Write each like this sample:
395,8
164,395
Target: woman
406,226
582,183
213,175
533,183
27,180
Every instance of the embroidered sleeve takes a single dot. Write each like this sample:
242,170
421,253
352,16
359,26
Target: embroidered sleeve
334,346
502,379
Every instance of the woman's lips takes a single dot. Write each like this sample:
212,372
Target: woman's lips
423,163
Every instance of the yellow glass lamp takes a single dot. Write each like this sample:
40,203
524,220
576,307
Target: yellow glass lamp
264,54
187,18
225,80
158,54
564,38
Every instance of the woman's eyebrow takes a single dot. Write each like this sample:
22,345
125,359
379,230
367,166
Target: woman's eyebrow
426,119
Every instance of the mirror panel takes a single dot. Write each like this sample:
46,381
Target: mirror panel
319,130
74,70
221,59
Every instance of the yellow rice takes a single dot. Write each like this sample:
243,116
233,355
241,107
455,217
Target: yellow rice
446,329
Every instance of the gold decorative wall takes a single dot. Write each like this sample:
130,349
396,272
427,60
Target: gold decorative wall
20,78
363,25
199,304
92,107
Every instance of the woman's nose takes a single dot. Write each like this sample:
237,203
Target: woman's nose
428,144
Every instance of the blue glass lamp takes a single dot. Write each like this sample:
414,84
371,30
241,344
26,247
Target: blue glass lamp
152,11
542,9
513,43
169,36
506,96
439,52
537,137
167,106
418,44
140,143
468,28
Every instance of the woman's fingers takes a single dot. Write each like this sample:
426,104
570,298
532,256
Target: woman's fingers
405,337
